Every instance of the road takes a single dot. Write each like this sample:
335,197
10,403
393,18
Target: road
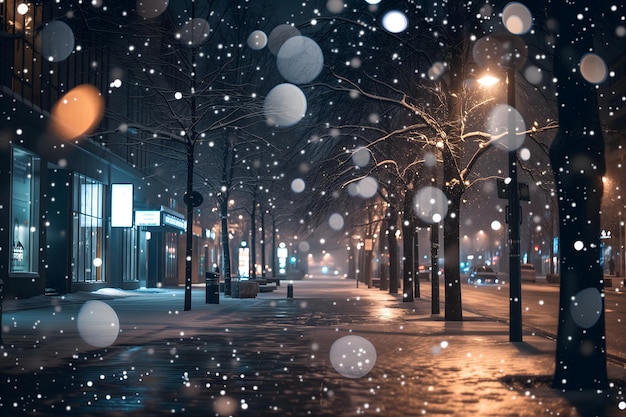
540,306
332,350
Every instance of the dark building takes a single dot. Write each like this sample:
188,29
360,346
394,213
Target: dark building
60,229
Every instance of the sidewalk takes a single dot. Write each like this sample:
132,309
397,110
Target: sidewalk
332,350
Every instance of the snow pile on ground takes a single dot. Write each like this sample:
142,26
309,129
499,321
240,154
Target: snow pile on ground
114,292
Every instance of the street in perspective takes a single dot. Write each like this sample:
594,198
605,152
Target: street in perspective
331,349
312,208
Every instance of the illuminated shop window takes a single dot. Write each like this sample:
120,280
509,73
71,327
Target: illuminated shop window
24,211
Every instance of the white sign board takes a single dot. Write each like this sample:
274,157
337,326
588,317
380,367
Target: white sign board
121,205
148,218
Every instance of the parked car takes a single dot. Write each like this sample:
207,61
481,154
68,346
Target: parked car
483,274
529,273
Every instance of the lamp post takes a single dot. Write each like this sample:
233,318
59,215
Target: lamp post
513,216
515,274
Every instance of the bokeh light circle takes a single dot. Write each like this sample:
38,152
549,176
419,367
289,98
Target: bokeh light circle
486,11
430,159
300,60
297,185
151,8
503,50
593,68
517,18
496,225
499,124
395,21
533,75
335,221
98,324
430,204
279,35
257,40
361,157
436,71
78,112
194,32
55,41
225,406
335,6
586,307
285,105
22,9
304,246
353,356
524,154
367,187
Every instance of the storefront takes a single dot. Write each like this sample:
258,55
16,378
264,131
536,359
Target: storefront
56,234
23,216
160,232
163,232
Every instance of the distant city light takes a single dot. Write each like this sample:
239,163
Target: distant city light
22,8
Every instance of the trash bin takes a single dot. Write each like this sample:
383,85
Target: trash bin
212,288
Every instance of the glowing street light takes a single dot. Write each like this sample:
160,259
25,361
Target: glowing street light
488,80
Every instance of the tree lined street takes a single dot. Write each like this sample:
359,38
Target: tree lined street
352,127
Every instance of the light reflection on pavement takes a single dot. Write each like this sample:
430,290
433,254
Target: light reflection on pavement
269,356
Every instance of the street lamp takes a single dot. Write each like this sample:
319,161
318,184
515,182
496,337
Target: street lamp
513,217
515,272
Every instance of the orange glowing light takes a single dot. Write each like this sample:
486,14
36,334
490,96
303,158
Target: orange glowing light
78,112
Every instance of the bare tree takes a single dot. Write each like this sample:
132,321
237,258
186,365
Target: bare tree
423,83
195,82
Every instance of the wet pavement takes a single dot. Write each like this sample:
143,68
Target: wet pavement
332,350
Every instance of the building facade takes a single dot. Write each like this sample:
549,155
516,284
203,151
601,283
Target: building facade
58,230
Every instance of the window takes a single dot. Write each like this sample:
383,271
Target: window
171,257
24,211
21,20
88,231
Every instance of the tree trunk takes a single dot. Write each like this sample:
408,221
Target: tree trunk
253,241
393,250
577,158
225,244
453,185
408,274
189,231
263,255
452,272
